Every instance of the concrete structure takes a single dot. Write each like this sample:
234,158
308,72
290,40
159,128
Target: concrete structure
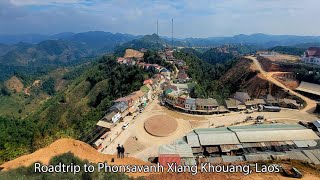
312,55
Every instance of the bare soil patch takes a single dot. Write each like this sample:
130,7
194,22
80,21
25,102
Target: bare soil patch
133,146
133,53
161,125
78,148
14,84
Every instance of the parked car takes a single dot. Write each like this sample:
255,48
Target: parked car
125,126
248,118
291,172
261,117
141,110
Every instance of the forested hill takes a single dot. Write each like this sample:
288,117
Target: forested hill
151,42
289,50
211,56
207,76
72,112
46,52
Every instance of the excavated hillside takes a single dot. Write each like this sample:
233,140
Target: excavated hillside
244,77
130,53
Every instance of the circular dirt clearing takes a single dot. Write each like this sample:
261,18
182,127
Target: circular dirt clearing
161,125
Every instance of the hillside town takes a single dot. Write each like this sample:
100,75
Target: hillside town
251,139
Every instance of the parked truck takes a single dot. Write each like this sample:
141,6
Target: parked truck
271,108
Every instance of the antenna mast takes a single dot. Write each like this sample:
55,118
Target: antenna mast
157,31
172,32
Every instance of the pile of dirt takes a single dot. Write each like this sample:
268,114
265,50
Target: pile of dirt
130,53
61,146
14,84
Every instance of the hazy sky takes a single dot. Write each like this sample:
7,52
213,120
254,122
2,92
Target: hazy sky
192,18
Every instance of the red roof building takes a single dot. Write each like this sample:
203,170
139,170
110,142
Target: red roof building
312,56
165,159
313,52
147,81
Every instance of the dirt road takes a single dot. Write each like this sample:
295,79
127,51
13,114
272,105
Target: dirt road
310,104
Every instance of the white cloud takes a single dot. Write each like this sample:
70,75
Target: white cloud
43,2
200,18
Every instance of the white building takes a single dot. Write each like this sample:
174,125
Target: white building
312,55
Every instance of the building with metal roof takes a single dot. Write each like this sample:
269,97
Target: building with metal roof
309,88
311,155
253,136
207,104
192,139
265,133
242,97
317,124
178,148
233,104
257,157
216,136
230,159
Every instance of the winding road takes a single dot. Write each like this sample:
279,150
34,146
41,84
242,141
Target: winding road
310,104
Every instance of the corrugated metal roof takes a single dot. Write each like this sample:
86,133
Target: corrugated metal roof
232,158
311,156
232,103
298,155
183,150
262,127
258,157
104,124
193,140
188,161
316,123
316,152
309,88
206,102
216,136
242,95
307,143
276,135
214,160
